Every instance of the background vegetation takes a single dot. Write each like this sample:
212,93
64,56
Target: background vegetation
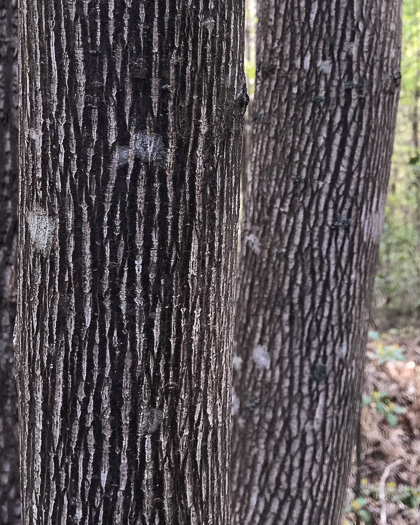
397,291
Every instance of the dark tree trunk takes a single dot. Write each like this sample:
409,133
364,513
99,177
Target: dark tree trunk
9,458
131,121
324,115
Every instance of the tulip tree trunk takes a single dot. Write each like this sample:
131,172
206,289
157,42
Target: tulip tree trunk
130,139
9,458
323,124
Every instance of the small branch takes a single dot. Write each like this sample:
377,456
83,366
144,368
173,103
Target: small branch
382,492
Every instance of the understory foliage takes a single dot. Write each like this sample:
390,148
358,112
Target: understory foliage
385,482
397,290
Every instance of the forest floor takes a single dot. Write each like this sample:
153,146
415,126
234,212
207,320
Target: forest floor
389,472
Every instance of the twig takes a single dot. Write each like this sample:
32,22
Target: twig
382,493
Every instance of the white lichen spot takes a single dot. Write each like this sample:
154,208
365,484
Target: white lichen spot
392,26
149,147
209,24
294,89
325,66
350,49
343,349
124,155
41,227
307,61
254,243
261,357
237,362
151,420
235,403
35,136
79,514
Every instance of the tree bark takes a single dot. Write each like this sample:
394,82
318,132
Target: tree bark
130,140
9,457
325,107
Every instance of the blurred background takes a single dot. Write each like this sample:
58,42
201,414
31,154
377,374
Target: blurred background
397,290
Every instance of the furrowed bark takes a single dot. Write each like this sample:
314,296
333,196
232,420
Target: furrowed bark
130,139
9,455
323,124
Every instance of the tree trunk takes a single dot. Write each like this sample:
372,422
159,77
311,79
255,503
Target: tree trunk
131,122
9,458
415,160
324,115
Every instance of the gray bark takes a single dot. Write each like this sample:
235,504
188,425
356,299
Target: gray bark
130,139
323,124
9,458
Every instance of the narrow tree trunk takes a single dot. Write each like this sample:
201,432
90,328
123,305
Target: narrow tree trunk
249,58
131,121
9,459
415,115
416,137
324,116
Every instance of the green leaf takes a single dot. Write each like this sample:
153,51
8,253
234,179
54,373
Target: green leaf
366,401
382,409
392,420
399,410
365,515
362,501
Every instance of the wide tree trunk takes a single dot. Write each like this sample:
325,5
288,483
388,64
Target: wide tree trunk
9,458
323,125
130,139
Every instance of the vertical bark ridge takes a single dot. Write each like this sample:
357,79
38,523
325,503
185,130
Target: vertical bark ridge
9,456
130,152
323,121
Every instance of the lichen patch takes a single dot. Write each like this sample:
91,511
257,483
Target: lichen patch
261,357
41,227
149,147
